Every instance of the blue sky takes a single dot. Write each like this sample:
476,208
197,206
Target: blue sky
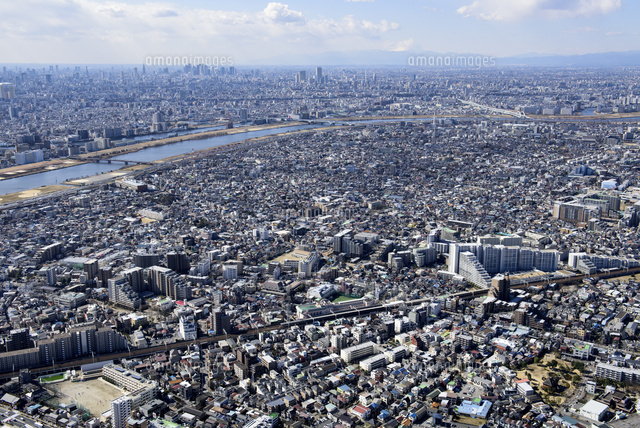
253,32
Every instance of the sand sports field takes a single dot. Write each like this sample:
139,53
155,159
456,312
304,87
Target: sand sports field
95,395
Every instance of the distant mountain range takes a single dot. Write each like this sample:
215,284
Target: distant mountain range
428,59
604,59
409,59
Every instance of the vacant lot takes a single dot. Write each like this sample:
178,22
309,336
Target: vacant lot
469,420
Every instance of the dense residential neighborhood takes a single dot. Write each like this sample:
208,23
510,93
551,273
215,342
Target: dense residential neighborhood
443,267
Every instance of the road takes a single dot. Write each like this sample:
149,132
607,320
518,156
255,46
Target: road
75,364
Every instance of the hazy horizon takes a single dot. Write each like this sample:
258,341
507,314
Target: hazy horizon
287,33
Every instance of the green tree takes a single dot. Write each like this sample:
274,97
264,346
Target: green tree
578,365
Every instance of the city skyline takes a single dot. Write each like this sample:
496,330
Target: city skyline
296,32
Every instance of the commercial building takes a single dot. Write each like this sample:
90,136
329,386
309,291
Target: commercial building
594,410
500,287
188,328
71,300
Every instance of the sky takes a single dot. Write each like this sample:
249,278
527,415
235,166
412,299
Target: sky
253,32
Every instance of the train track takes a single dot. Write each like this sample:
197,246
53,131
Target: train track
366,310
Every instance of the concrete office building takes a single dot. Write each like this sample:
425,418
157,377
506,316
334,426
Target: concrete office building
71,300
500,287
188,328
231,271
220,322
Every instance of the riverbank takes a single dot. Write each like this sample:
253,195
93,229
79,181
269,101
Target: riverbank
106,176
32,193
75,184
53,164
36,168
212,150
116,151
23,170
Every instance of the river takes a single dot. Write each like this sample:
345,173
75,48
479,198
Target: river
150,154
168,150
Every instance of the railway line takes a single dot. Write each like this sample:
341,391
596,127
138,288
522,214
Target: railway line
349,312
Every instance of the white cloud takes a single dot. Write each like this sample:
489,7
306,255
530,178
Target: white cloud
403,45
281,14
512,10
115,31
165,13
